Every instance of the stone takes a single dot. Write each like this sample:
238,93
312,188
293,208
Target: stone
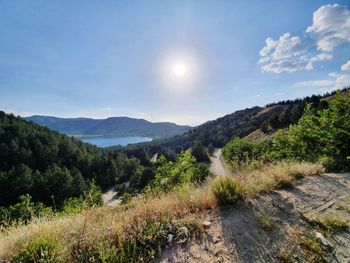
206,224
170,238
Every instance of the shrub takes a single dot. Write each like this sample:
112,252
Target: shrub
74,205
42,249
226,189
200,173
126,198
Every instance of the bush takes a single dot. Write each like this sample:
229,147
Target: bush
238,149
74,205
42,249
126,198
24,211
226,189
201,171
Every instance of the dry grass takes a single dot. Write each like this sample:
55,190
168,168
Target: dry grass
265,219
139,229
109,225
330,221
272,176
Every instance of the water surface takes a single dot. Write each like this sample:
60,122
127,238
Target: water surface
114,141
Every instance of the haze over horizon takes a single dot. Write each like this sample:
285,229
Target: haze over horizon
176,61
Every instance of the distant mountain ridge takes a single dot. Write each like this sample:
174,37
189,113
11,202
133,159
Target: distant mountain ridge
113,126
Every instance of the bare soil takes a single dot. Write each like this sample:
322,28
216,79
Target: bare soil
272,227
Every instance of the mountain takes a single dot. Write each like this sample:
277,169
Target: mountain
43,162
255,122
113,126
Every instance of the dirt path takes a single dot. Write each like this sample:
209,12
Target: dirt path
217,164
110,198
238,235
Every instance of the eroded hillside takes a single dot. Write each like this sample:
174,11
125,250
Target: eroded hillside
283,226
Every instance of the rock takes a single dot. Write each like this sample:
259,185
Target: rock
170,238
183,231
182,234
323,240
206,224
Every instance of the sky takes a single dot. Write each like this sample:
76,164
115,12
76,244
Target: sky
181,61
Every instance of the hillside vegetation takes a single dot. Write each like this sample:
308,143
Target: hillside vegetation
267,120
52,167
175,193
113,126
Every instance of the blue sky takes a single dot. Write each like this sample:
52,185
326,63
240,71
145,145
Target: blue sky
117,58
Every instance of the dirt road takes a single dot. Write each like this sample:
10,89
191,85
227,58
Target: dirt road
110,198
218,165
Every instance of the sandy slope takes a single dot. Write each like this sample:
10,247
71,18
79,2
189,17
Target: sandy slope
237,235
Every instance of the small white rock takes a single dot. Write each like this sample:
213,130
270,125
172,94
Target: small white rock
322,239
206,224
170,238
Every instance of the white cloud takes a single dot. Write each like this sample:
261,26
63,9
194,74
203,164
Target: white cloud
342,81
282,55
325,83
319,57
337,81
287,54
285,65
330,27
346,66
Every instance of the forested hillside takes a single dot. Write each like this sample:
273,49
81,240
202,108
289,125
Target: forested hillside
47,165
217,133
114,126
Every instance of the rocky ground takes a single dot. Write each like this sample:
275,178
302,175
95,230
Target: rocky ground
284,226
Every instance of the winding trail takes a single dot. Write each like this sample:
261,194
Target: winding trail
218,165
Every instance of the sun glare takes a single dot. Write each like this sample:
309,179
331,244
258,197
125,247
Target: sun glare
179,70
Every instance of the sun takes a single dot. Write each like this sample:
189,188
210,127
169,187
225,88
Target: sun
179,70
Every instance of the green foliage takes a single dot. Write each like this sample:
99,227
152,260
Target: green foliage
226,189
238,149
23,211
318,136
139,241
94,195
126,198
52,167
183,170
74,205
200,172
43,249
243,150
199,152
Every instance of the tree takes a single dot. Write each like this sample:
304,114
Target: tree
199,152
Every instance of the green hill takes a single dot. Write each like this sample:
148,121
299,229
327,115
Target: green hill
114,126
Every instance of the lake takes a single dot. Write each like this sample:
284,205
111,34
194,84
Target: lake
114,141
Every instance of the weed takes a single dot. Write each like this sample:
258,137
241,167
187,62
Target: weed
312,248
265,219
226,189
41,249
333,221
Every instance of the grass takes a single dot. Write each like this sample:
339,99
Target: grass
311,247
265,219
260,178
331,221
285,254
133,232
226,189
137,231
345,206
